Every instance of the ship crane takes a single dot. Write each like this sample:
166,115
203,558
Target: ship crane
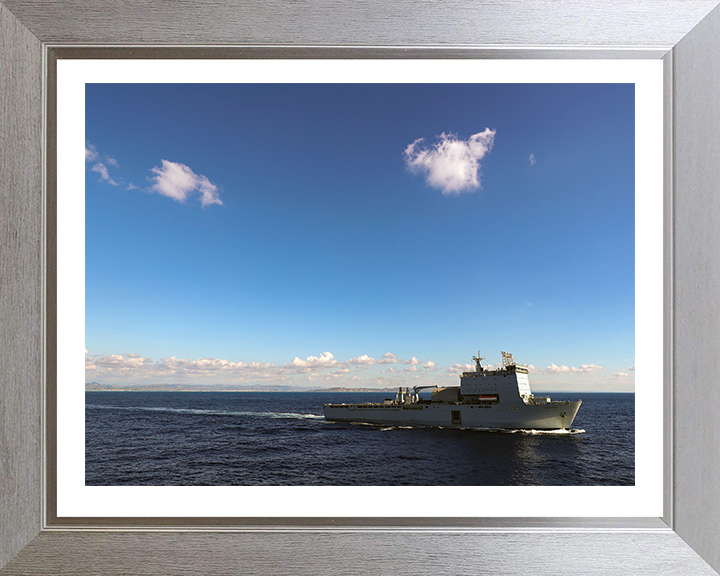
414,397
416,390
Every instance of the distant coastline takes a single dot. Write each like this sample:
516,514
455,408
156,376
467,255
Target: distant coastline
97,387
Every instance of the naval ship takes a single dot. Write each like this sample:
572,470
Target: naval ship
486,398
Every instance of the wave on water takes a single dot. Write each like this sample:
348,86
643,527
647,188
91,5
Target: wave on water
559,431
292,415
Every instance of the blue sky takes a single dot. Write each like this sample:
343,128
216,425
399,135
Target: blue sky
304,234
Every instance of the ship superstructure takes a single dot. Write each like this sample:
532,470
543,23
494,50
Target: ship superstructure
486,398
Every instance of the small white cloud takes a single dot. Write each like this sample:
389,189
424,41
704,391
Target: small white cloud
101,169
91,152
632,368
325,360
562,369
86,352
178,181
412,361
460,368
131,186
91,155
619,374
363,360
532,160
388,358
451,165
588,369
122,362
430,366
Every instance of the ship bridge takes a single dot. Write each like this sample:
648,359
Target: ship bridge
510,379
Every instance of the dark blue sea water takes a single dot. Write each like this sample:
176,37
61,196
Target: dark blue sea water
278,438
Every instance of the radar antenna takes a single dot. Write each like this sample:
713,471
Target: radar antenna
478,359
508,359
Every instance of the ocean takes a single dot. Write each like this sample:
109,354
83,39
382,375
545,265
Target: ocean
282,439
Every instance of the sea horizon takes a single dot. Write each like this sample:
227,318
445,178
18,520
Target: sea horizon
282,389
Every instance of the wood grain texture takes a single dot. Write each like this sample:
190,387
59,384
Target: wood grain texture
396,554
373,22
20,285
697,288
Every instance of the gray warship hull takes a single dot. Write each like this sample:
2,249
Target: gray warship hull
555,416
498,398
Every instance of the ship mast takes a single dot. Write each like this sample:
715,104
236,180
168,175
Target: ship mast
508,359
478,359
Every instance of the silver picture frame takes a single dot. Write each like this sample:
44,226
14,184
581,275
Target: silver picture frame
685,34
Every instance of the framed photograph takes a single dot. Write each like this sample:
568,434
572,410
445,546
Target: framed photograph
652,507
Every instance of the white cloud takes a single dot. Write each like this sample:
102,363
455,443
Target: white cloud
619,374
451,165
120,361
460,368
532,160
388,358
325,360
554,369
562,369
101,169
91,152
178,181
430,366
363,360
131,186
588,369
415,363
632,368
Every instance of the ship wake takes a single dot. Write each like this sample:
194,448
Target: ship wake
197,411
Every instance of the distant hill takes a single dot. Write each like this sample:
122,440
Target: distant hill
98,387
340,389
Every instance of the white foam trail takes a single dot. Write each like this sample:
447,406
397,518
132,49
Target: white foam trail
559,431
294,415
529,431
